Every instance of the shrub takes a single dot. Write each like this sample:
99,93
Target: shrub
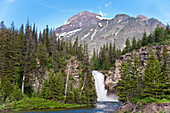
68,56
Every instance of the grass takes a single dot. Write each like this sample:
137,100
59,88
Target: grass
150,100
37,103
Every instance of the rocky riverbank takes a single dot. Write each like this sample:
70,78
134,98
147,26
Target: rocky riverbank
146,108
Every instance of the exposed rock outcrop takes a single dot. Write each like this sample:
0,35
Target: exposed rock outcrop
146,108
74,71
143,54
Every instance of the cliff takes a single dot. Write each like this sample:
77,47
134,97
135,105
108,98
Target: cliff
113,75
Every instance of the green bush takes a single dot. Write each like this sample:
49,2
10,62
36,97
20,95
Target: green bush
36,103
68,56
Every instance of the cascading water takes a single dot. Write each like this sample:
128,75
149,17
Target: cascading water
100,88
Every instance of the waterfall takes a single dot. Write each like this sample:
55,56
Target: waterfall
100,88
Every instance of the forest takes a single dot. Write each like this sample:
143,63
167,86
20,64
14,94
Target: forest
26,55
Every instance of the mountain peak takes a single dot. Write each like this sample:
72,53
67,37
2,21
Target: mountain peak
83,17
142,17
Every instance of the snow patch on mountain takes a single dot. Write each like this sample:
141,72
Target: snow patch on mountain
72,32
100,25
85,36
102,18
119,20
93,35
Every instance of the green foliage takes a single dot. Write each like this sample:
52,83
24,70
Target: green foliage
68,56
95,64
134,44
144,39
106,65
36,104
127,46
153,79
130,83
150,100
159,34
25,61
53,86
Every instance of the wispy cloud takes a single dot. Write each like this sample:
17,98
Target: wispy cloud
108,4
8,1
102,14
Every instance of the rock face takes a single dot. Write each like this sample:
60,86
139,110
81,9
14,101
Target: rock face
142,17
96,30
74,71
76,22
143,54
146,108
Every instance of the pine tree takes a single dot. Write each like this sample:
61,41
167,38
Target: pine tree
26,87
53,86
166,71
144,39
47,38
114,53
159,34
166,32
150,38
128,46
106,64
134,45
70,47
136,76
75,46
123,82
110,53
153,79
139,44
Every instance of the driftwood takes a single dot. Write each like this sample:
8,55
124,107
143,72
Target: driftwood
133,106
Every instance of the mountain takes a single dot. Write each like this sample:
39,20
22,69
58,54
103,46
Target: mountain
96,30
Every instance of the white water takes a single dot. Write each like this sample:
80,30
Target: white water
100,88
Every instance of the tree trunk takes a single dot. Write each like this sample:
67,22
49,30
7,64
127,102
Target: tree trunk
23,79
83,84
67,79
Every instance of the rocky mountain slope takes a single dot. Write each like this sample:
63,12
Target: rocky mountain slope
96,30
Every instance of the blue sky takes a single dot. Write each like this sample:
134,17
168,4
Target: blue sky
56,12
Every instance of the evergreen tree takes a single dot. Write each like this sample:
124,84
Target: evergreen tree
136,76
70,47
53,86
166,32
134,45
47,38
114,52
150,38
75,46
122,87
127,46
110,53
159,34
106,65
139,44
153,79
166,71
144,39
